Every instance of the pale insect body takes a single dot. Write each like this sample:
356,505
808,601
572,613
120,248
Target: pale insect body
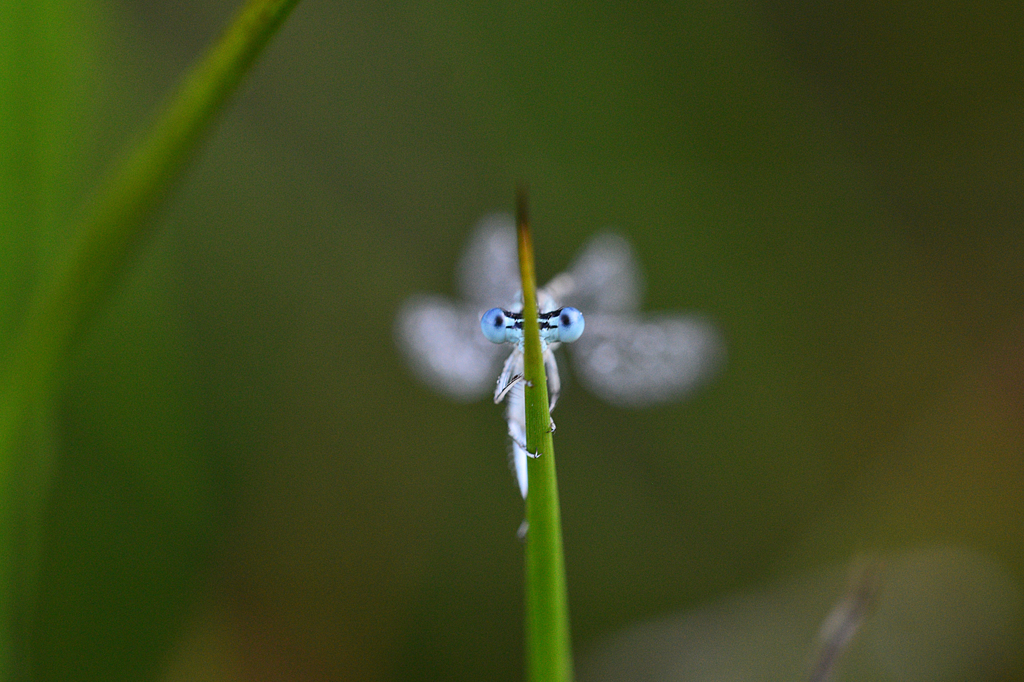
563,325
626,358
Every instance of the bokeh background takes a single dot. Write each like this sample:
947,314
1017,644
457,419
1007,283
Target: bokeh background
253,486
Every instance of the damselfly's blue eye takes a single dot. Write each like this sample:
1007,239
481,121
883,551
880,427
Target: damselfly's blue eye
570,324
494,325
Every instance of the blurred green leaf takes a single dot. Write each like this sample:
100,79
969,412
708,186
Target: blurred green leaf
47,72
46,328
47,77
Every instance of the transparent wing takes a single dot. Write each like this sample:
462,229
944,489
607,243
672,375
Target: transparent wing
445,347
605,278
635,361
489,269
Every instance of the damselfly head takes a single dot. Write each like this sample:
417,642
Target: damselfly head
563,325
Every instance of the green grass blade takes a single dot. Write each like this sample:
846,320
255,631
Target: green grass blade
548,642
78,287
118,221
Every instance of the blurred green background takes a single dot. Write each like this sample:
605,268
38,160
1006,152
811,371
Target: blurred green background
253,486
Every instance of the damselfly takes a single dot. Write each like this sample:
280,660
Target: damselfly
561,325
626,358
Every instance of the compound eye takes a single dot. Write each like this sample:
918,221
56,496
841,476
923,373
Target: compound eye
494,325
570,324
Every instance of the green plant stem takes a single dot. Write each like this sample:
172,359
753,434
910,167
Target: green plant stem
548,643
70,296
